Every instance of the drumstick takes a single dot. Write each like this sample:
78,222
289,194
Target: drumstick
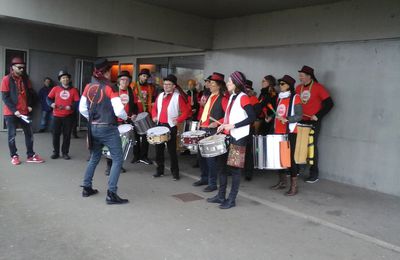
307,115
270,107
215,120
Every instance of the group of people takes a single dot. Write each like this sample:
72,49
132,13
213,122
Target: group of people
227,107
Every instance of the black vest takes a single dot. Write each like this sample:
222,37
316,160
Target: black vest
101,111
217,112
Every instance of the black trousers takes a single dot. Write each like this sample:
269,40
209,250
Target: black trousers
171,146
249,158
62,125
141,149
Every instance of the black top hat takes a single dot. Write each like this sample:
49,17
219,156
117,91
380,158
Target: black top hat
249,84
102,64
171,78
63,73
289,80
124,73
145,71
309,71
217,77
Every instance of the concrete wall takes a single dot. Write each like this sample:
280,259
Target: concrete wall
355,48
119,17
112,45
342,21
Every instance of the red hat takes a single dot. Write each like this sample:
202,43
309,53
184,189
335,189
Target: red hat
17,60
217,77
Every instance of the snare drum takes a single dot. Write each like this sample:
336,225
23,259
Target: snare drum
266,150
190,139
143,123
127,140
213,146
158,135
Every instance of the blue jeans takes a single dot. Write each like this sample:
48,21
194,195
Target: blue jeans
107,135
45,119
12,123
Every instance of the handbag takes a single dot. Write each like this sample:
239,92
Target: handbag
284,149
236,156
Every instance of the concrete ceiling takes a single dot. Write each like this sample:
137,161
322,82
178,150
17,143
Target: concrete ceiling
219,9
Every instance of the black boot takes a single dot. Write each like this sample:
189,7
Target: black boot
113,198
88,191
219,198
227,204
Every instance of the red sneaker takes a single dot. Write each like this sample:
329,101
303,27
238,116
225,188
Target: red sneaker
35,159
15,160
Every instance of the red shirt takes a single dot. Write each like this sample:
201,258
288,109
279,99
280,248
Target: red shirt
63,97
146,95
312,100
183,106
282,110
253,100
22,103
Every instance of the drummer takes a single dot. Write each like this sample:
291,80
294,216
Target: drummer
145,94
169,109
126,94
238,118
289,111
215,108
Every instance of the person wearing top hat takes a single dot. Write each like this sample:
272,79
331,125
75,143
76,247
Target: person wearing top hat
64,99
169,109
288,112
101,105
237,120
18,97
145,96
215,108
316,102
126,94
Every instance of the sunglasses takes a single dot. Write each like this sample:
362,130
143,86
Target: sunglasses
282,83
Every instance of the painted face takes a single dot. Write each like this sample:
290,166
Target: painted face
123,82
19,69
231,87
168,86
65,80
304,78
143,78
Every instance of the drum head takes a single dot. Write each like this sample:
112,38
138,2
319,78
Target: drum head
158,130
124,128
140,116
194,133
212,139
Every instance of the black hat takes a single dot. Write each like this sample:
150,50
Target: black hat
217,77
63,73
171,78
145,71
124,73
309,71
289,80
208,78
102,64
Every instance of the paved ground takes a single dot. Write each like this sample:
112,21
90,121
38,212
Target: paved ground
43,216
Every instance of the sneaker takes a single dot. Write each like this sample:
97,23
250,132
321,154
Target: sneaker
88,191
312,180
35,159
134,160
146,161
66,157
54,156
15,160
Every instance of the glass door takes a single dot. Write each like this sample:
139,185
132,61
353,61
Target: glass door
84,70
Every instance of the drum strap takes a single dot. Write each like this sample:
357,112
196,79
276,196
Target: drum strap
290,112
